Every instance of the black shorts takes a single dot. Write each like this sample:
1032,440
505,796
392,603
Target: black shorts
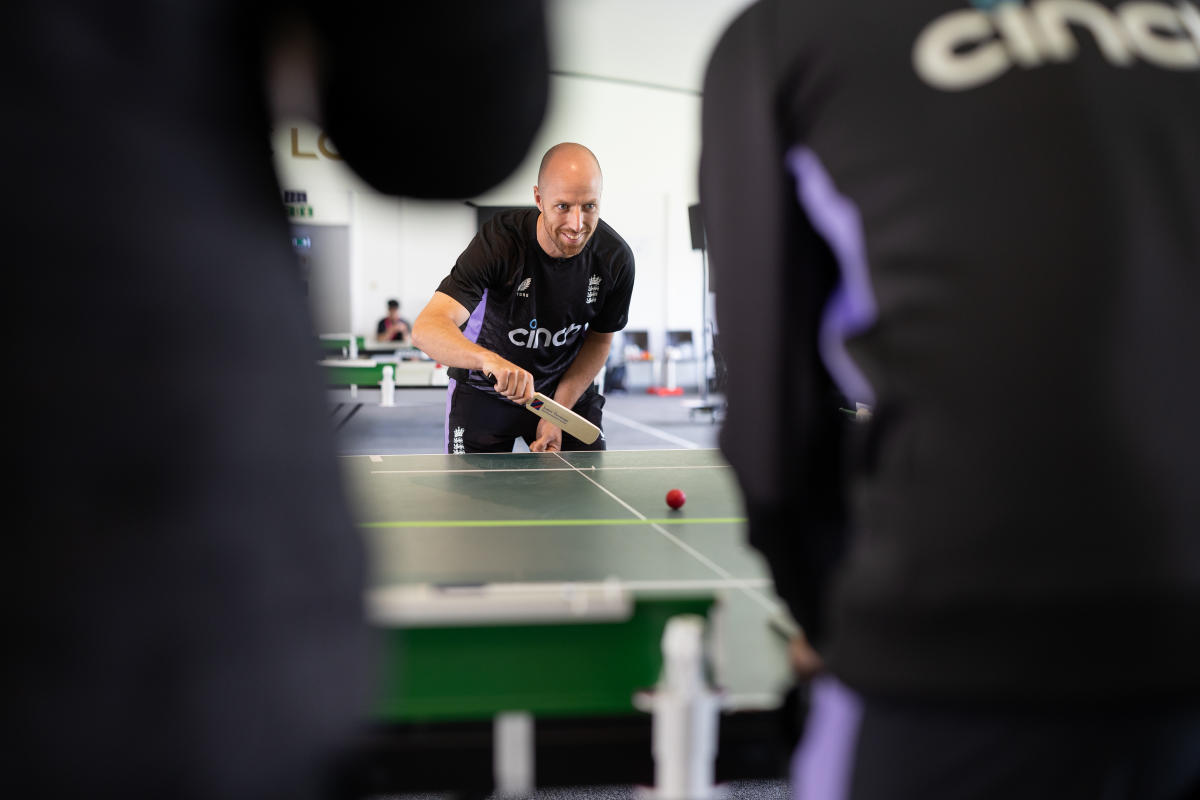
481,423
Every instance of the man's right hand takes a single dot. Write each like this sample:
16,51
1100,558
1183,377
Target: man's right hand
806,662
512,382
438,334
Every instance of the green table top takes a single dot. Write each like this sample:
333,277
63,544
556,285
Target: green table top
368,372
548,518
335,343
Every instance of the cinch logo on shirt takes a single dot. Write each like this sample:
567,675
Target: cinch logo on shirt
536,337
968,48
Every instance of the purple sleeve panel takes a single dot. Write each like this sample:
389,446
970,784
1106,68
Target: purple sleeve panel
823,765
851,308
475,323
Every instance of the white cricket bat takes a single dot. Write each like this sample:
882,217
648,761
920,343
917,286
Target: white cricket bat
560,415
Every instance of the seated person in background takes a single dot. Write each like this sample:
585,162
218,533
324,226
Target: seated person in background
392,328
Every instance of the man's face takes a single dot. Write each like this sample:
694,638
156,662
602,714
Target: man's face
569,199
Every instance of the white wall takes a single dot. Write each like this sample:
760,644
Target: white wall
626,85
399,248
664,42
648,145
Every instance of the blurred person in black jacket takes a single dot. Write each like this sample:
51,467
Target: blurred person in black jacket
183,612
981,221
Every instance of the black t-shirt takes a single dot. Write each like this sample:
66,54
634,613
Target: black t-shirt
397,334
532,308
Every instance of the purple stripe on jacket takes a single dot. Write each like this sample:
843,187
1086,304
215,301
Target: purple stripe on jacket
824,761
851,308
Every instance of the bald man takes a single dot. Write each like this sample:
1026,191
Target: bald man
534,301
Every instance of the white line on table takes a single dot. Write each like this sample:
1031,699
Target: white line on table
533,469
647,585
758,597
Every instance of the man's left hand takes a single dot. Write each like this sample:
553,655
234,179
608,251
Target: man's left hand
549,438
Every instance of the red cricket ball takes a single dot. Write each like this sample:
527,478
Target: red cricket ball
676,498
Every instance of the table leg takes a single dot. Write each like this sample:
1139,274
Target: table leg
513,759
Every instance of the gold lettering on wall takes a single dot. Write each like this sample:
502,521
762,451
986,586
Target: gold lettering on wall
296,146
327,151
